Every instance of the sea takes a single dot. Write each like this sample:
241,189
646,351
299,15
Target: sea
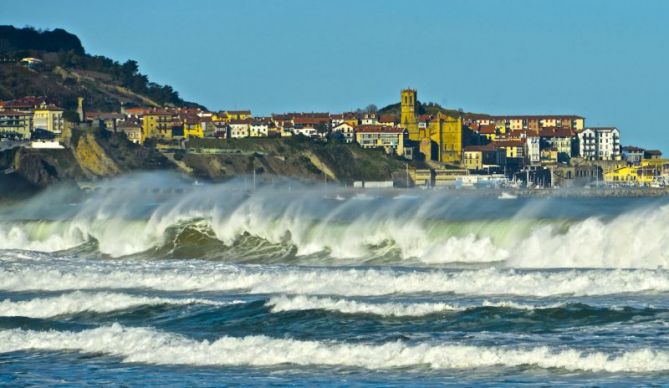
154,279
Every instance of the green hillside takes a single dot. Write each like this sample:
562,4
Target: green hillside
68,72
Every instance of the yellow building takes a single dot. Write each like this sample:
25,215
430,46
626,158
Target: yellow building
238,114
440,137
391,139
219,117
473,159
158,124
48,117
193,128
476,156
549,155
512,148
645,174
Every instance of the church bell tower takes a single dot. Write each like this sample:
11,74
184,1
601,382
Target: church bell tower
409,109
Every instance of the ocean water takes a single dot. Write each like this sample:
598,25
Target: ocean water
154,280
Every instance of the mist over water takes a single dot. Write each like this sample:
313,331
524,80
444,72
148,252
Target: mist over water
163,273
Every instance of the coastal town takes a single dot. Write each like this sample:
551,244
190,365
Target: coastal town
441,147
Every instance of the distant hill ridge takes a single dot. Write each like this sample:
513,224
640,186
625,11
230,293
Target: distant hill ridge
16,39
69,72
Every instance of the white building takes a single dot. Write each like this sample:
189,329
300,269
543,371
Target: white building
49,118
239,128
533,149
599,144
258,128
46,144
305,130
346,130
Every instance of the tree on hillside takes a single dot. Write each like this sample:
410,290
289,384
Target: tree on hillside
71,116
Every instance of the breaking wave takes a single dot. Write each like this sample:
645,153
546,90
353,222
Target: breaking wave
141,345
289,222
78,302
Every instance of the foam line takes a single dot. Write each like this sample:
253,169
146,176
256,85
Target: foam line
78,302
183,276
148,346
284,303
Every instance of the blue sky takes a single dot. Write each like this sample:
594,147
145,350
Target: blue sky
605,60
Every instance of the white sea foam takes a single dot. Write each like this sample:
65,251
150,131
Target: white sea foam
40,236
78,301
520,306
153,347
302,302
54,275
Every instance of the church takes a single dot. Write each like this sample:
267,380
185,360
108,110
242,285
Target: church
439,136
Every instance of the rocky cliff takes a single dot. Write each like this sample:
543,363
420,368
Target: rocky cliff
91,155
97,154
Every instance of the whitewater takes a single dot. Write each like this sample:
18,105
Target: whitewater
152,277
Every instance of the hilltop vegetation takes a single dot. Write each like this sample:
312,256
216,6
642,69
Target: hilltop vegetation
429,108
13,39
68,72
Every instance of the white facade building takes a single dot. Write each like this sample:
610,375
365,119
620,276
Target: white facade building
599,144
533,149
305,130
346,130
259,129
49,118
239,129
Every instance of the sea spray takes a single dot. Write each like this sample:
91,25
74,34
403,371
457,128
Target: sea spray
148,216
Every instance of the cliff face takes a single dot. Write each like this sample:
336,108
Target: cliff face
98,154
296,158
92,155
25,171
92,158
